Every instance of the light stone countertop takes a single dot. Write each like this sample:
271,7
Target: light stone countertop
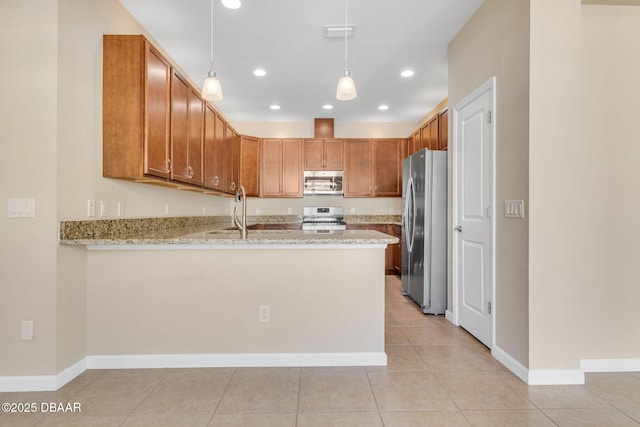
205,233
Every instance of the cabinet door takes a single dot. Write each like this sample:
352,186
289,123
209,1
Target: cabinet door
334,154
157,101
271,167
425,136
313,154
358,168
387,167
444,130
214,154
196,138
249,165
434,135
415,143
232,144
179,129
292,168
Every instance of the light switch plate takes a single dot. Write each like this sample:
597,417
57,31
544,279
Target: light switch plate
514,209
21,208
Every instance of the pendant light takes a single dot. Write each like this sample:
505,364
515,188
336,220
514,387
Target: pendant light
211,88
232,4
346,87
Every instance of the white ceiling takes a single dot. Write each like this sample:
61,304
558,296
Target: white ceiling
285,37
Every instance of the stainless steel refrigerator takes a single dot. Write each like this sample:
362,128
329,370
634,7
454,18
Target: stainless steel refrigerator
424,230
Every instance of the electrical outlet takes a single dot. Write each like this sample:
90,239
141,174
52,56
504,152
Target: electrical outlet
91,207
353,210
264,313
257,211
26,330
120,209
104,208
289,211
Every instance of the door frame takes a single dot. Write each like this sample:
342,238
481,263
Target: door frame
489,85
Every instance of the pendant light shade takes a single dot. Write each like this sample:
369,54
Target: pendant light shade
232,4
346,87
211,88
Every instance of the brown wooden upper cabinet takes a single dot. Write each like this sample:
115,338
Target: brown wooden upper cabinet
358,176
187,127
250,165
387,167
214,151
281,168
444,130
323,154
232,149
429,133
136,108
373,167
415,143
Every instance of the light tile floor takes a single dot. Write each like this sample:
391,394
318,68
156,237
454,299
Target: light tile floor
438,375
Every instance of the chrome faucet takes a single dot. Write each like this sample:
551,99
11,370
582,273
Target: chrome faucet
241,224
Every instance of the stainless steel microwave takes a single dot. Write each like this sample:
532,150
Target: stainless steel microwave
323,183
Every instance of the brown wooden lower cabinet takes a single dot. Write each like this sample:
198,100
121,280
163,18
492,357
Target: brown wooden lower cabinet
390,256
397,248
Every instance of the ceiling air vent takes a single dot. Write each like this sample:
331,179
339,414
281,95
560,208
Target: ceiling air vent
331,31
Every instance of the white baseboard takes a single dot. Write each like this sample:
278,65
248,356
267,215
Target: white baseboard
54,382
511,363
555,376
235,360
42,382
448,314
610,365
538,376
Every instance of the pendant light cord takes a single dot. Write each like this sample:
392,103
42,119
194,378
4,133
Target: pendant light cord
346,30
211,56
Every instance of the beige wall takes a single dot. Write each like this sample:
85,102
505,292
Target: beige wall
556,233
206,301
609,151
495,42
28,75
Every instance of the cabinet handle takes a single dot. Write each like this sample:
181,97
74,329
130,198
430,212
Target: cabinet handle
232,185
216,181
169,164
190,172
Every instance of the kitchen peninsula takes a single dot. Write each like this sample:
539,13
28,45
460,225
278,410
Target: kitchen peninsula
201,296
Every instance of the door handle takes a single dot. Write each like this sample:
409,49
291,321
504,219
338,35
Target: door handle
458,229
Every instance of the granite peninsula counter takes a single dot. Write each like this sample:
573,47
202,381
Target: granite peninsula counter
196,296
231,238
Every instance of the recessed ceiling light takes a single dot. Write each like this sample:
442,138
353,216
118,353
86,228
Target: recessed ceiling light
407,73
274,107
232,4
259,72
327,106
383,107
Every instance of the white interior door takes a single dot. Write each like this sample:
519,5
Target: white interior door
473,219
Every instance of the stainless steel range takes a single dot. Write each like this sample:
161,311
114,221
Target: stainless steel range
323,219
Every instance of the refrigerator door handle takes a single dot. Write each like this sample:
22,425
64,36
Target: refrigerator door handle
408,233
410,207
